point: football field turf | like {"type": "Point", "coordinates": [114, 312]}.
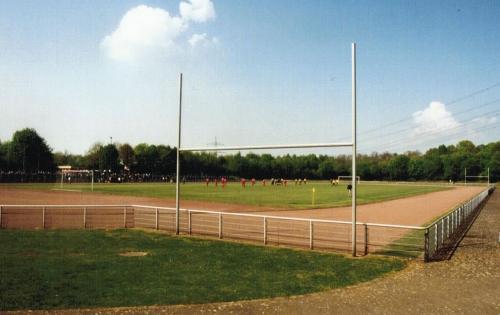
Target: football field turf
{"type": "Point", "coordinates": [315, 194]}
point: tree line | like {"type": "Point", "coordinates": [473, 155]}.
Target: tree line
{"type": "Point", "coordinates": [28, 152]}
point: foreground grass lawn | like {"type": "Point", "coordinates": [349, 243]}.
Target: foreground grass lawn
{"type": "Point", "coordinates": [78, 268]}
{"type": "Point", "coordinates": [292, 196]}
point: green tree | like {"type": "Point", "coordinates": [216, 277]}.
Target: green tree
{"type": "Point", "coordinates": [3, 156]}
{"type": "Point", "coordinates": [92, 157]}
{"type": "Point", "coordinates": [146, 157]}
{"type": "Point", "coordinates": [28, 152]}
{"type": "Point", "coordinates": [109, 158]}
{"type": "Point", "coordinates": [494, 166]}
{"type": "Point", "coordinates": [326, 168]}
{"type": "Point", "coordinates": [127, 155]}
{"type": "Point", "coordinates": [466, 146]}
{"type": "Point", "coordinates": [65, 158]}
{"type": "Point", "coordinates": [398, 167]}
{"type": "Point", "coordinates": [166, 160]}
{"type": "Point", "coordinates": [416, 169]}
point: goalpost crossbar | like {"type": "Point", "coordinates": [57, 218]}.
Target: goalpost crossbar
{"type": "Point", "coordinates": [273, 146]}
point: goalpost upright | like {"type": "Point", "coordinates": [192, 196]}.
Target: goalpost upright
{"type": "Point", "coordinates": [351, 144]}
{"type": "Point", "coordinates": [353, 201]}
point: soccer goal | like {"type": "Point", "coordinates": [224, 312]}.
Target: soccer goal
{"type": "Point", "coordinates": [67, 177]}
{"type": "Point", "coordinates": [349, 178]}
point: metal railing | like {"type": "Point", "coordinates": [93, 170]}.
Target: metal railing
{"type": "Point", "coordinates": [408, 241]}
{"type": "Point", "coordinates": [65, 216]}
{"type": "Point", "coordinates": [264, 229]}
{"type": "Point", "coordinates": [278, 230]}
{"type": "Point", "coordinates": [443, 235]}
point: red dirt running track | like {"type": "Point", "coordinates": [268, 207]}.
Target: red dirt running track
{"type": "Point", "coordinates": [416, 210]}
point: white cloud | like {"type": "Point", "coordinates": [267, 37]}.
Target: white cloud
{"type": "Point", "coordinates": [483, 121]}
{"type": "Point", "coordinates": [202, 40]}
{"type": "Point", "coordinates": [434, 119]}
{"type": "Point", "coordinates": [197, 10]}
{"type": "Point", "coordinates": [144, 30]}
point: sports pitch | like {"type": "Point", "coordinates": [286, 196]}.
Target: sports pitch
{"type": "Point", "coordinates": [315, 194]}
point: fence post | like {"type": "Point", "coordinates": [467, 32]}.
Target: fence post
{"type": "Point", "coordinates": [366, 239]}
{"type": "Point", "coordinates": [442, 231]}
{"type": "Point", "coordinates": [426, 245]}
{"type": "Point", "coordinates": [124, 217]}
{"type": "Point", "coordinates": [84, 218]}
{"type": "Point", "coordinates": [220, 225]}
{"type": "Point", "coordinates": [189, 222]}
{"type": "Point", "coordinates": [447, 226]}
{"type": "Point", "coordinates": [156, 219]}
{"type": "Point", "coordinates": [452, 223]}
{"type": "Point", "coordinates": [265, 230]}
{"type": "Point", "coordinates": [311, 234]}
{"type": "Point", "coordinates": [456, 220]}
{"type": "Point", "coordinates": [43, 218]}
{"type": "Point", "coordinates": [436, 235]}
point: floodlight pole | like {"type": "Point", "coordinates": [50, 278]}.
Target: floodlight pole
{"type": "Point", "coordinates": [488, 177]}
{"type": "Point", "coordinates": [353, 195]}
{"type": "Point", "coordinates": [178, 168]}
{"type": "Point", "coordinates": [465, 176]}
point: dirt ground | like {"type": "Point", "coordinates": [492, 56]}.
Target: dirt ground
{"type": "Point", "coordinates": [416, 210]}
{"type": "Point", "coordinates": [469, 283]}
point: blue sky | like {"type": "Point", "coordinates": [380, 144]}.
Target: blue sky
{"type": "Point", "coordinates": [255, 72]}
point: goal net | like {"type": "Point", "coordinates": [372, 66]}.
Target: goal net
{"type": "Point", "coordinates": [68, 179]}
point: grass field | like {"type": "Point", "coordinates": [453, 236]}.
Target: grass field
{"type": "Point", "coordinates": [292, 196]}
{"type": "Point", "coordinates": [75, 269]}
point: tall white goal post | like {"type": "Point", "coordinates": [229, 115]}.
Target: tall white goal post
{"type": "Point", "coordinates": [277, 146]}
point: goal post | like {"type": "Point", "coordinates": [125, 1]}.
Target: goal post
{"type": "Point", "coordinates": [349, 178]}
{"type": "Point", "coordinates": [67, 176]}
{"type": "Point", "coordinates": [351, 144]}
{"type": "Point", "coordinates": [487, 177]}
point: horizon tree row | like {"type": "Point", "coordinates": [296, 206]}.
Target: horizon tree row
{"type": "Point", "coordinates": [28, 152]}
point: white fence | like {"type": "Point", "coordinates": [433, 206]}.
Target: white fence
{"type": "Point", "coordinates": [409, 241]}
{"type": "Point", "coordinates": [444, 234]}
{"type": "Point", "coordinates": [267, 230]}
